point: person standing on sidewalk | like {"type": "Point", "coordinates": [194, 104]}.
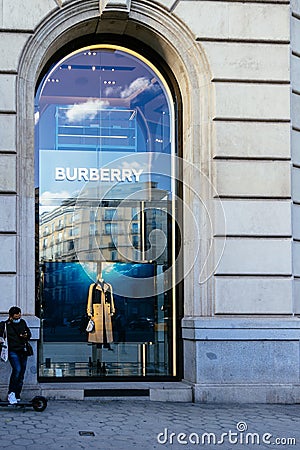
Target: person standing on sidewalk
{"type": "Point", "coordinates": [18, 334]}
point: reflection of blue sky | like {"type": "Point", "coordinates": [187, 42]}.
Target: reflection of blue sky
{"type": "Point", "coordinates": [155, 168]}
{"type": "Point", "coordinates": [49, 160]}
{"type": "Point", "coordinates": [96, 80]}
{"type": "Point", "coordinates": [123, 277]}
{"type": "Point", "coordinates": [55, 121]}
{"type": "Point", "coordinates": [111, 272]}
{"type": "Point", "coordinates": [83, 111]}
{"type": "Point", "coordinates": [114, 74]}
{"type": "Point", "coordinates": [132, 280]}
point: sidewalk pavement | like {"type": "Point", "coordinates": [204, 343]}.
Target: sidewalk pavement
{"type": "Point", "coordinates": [145, 425]}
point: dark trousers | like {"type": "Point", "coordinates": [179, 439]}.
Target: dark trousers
{"type": "Point", "coordinates": [18, 362]}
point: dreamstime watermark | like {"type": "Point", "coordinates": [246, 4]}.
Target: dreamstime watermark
{"type": "Point", "coordinates": [240, 435]}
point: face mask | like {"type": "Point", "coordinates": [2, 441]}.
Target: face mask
{"type": "Point", "coordinates": [16, 320]}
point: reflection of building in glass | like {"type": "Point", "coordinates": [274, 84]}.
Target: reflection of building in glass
{"type": "Point", "coordinates": [134, 229]}
{"type": "Point", "coordinates": [106, 197]}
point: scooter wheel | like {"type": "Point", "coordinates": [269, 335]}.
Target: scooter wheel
{"type": "Point", "coordinates": [39, 403]}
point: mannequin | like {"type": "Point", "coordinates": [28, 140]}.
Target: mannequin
{"type": "Point", "coordinates": [100, 307]}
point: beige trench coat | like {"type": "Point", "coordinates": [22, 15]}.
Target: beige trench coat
{"type": "Point", "coordinates": [100, 307]}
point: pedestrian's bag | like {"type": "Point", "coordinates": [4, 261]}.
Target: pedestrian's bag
{"type": "Point", "coordinates": [4, 346]}
{"type": "Point", "coordinates": [28, 349]}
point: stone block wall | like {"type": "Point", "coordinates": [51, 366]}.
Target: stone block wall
{"type": "Point", "coordinates": [295, 144]}
{"type": "Point", "coordinates": [247, 46]}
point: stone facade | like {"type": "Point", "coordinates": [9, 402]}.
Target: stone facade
{"type": "Point", "coordinates": [234, 63]}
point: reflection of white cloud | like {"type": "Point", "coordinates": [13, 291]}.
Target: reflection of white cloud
{"type": "Point", "coordinates": [141, 83]}
{"type": "Point", "coordinates": [36, 117]}
{"type": "Point", "coordinates": [87, 110]}
{"type": "Point", "coordinates": [112, 91]}
{"type": "Point", "coordinates": [50, 198]}
{"type": "Point", "coordinates": [135, 165]}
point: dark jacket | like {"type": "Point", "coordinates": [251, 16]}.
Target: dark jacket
{"type": "Point", "coordinates": [14, 330]}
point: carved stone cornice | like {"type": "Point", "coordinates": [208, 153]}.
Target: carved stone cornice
{"type": "Point", "coordinates": [114, 8]}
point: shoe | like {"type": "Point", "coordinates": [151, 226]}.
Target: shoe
{"type": "Point", "coordinates": [12, 398]}
{"type": "Point", "coordinates": [18, 400]}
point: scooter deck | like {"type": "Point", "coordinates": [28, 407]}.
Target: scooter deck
{"type": "Point", "coordinates": [6, 403]}
{"type": "Point", "coordinates": [38, 403]}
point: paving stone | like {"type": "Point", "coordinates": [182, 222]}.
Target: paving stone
{"type": "Point", "coordinates": [22, 441]}
{"type": "Point", "coordinates": [129, 424]}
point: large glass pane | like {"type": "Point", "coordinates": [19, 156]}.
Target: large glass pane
{"type": "Point", "coordinates": [105, 189]}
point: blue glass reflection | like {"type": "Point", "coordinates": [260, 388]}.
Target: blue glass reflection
{"type": "Point", "coordinates": [104, 147]}
{"type": "Point", "coordinates": [103, 100]}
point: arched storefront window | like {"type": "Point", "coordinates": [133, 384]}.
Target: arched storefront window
{"type": "Point", "coordinates": [105, 147]}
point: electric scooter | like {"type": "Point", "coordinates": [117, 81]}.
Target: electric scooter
{"type": "Point", "coordinates": [38, 403]}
